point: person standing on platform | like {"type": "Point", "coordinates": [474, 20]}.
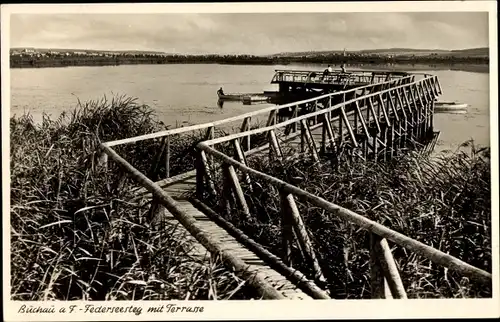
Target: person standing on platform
{"type": "Point", "coordinates": [327, 71]}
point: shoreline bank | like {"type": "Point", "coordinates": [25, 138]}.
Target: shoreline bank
{"type": "Point", "coordinates": [52, 62]}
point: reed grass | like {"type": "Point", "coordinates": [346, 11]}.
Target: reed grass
{"type": "Point", "coordinates": [75, 236]}
{"type": "Point", "coordinates": [443, 201]}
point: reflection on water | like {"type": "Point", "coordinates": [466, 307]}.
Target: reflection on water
{"type": "Point", "coordinates": [186, 94]}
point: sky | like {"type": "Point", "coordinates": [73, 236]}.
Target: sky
{"type": "Point", "coordinates": [250, 33]}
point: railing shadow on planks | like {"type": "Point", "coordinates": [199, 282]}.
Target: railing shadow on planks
{"type": "Point", "coordinates": [397, 112]}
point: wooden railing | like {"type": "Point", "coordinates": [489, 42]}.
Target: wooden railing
{"type": "Point", "coordinates": [406, 108]}
{"type": "Point", "coordinates": [244, 122]}
{"type": "Point", "coordinates": [362, 118]}
{"type": "Point", "coordinates": [335, 77]}
{"type": "Point", "coordinates": [382, 265]}
{"type": "Point", "coordinates": [406, 104]}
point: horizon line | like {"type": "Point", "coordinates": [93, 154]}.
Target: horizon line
{"type": "Point", "coordinates": [242, 53]}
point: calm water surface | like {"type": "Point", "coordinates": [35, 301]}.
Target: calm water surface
{"type": "Point", "coordinates": [186, 94]}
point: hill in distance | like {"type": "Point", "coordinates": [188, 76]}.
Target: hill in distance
{"type": "Point", "coordinates": [483, 51]}
{"type": "Point", "coordinates": [472, 52]}
{"type": "Point", "coordinates": [45, 50]}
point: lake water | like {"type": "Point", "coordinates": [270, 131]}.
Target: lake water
{"type": "Point", "coordinates": [186, 94]}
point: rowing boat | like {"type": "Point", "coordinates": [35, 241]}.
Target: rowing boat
{"type": "Point", "coordinates": [253, 96]}
{"type": "Point", "coordinates": [236, 96]}
{"type": "Point", "coordinates": [450, 107]}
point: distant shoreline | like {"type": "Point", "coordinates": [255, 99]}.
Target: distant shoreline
{"type": "Point", "coordinates": [46, 62]}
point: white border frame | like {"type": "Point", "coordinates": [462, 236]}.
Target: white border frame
{"type": "Point", "coordinates": [247, 310]}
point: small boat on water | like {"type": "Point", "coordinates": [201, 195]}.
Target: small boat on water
{"type": "Point", "coordinates": [236, 96]}
{"type": "Point", "coordinates": [450, 107]}
{"type": "Point", "coordinates": [253, 97]}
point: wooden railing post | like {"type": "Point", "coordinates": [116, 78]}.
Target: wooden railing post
{"type": "Point", "coordinates": [275, 147]}
{"type": "Point", "coordinates": [240, 156]}
{"type": "Point", "coordinates": [235, 183]}
{"type": "Point", "coordinates": [390, 270]}
{"type": "Point", "coordinates": [295, 111]}
{"type": "Point", "coordinates": [303, 237]}
{"type": "Point", "coordinates": [362, 120]}
{"type": "Point", "coordinates": [356, 123]}
{"type": "Point", "coordinates": [286, 230]}
{"type": "Point", "coordinates": [245, 126]}
{"type": "Point", "coordinates": [200, 175]}
{"type": "Point", "coordinates": [227, 197]}
{"type": "Point", "coordinates": [207, 173]}
{"type": "Point", "coordinates": [383, 108]}
{"type": "Point", "coordinates": [210, 133]}
{"type": "Point", "coordinates": [310, 140]}
{"type": "Point", "coordinates": [167, 157]}
{"type": "Point", "coordinates": [375, 116]}
{"type": "Point", "coordinates": [327, 126]}
{"type": "Point", "coordinates": [153, 170]}
{"type": "Point", "coordinates": [349, 128]}
{"type": "Point", "coordinates": [103, 160]}
{"type": "Point", "coordinates": [376, 273]}
{"type": "Point", "coordinates": [322, 148]}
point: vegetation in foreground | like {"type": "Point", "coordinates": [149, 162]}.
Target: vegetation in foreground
{"type": "Point", "coordinates": [76, 236]}
{"type": "Point", "coordinates": [443, 201]}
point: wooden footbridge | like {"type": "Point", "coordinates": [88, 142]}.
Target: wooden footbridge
{"type": "Point", "coordinates": [376, 120]}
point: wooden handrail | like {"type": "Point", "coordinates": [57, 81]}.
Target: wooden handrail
{"type": "Point", "coordinates": [434, 255]}
{"type": "Point", "coordinates": [180, 130]}
{"type": "Point", "coordinates": [307, 116]}
{"type": "Point", "coordinates": [215, 246]}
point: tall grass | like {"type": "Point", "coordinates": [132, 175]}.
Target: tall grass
{"type": "Point", "coordinates": [74, 235]}
{"type": "Point", "coordinates": [443, 201]}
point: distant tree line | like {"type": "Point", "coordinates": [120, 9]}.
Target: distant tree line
{"type": "Point", "coordinates": [47, 60]}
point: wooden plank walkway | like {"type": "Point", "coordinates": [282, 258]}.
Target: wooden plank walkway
{"type": "Point", "coordinates": [180, 187]}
